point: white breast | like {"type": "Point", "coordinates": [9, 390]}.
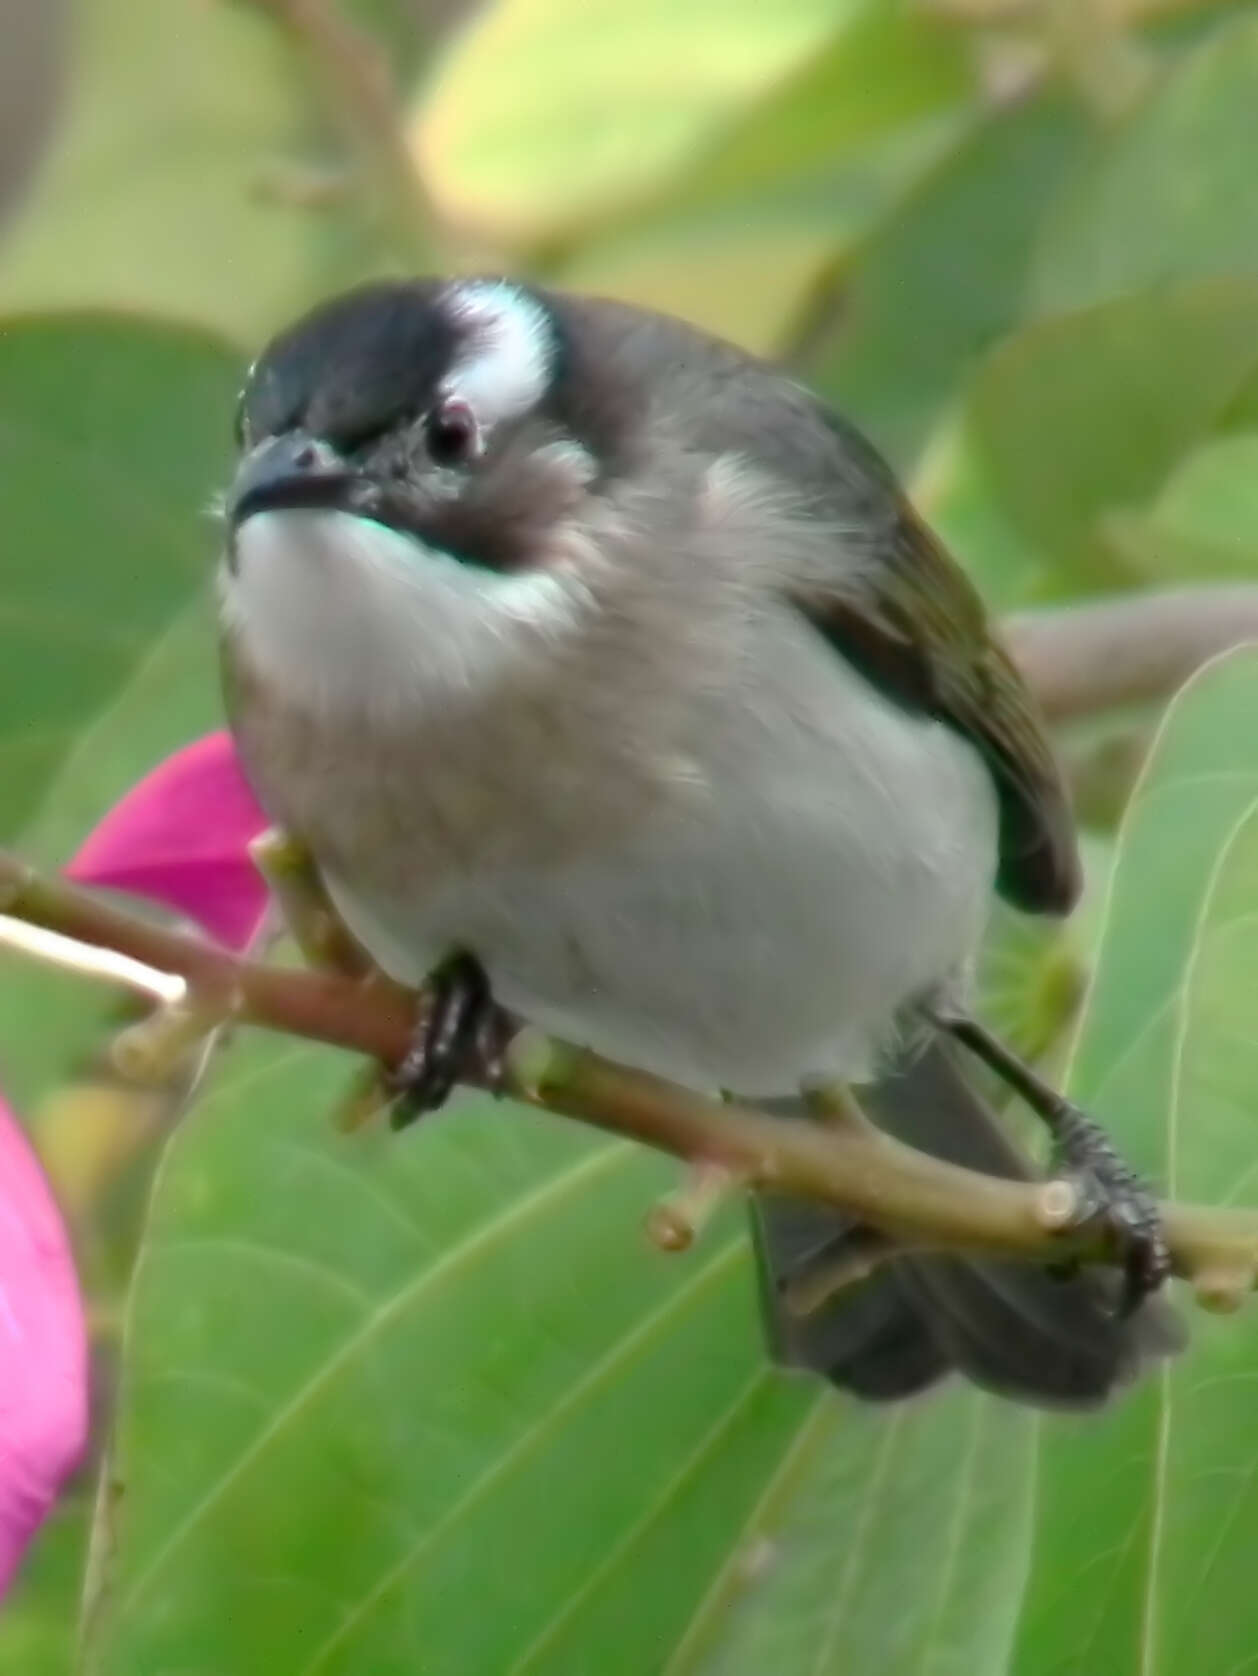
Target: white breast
{"type": "Point", "coordinates": [343, 614]}
{"type": "Point", "coordinates": [837, 865]}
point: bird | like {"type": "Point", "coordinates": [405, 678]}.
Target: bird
{"type": "Point", "coordinates": [613, 683]}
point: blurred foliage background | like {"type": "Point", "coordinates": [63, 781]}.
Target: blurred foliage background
{"type": "Point", "coordinates": [430, 1404]}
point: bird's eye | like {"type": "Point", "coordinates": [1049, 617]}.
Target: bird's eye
{"type": "Point", "coordinates": [451, 434]}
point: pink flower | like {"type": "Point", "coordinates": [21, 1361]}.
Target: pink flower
{"type": "Point", "coordinates": [179, 838]}
{"type": "Point", "coordinates": [43, 1349]}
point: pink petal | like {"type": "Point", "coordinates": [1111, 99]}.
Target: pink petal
{"type": "Point", "coordinates": [179, 838]}
{"type": "Point", "coordinates": [43, 1349]}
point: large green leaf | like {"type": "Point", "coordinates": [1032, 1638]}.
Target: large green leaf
{"type": "Point", "coordinates": [1085, 417]}
{"type": "Point", "coordinates": [933, 1503]}
{"type": "Point", "coordinates": [367, 1380]}
{"type": "Point", "coordinates": [1204, 521]}
{"type": "Point", "coordinates": [1160, 197]}
{"type": "Point", "coordinates": [361, 1371]}
{"type": "Point", "coordinates": [113, 434]}
{"type": "Point", "coordinates": [944, 277]}
{"type": "Point", "coordinates": [1147, 1518]}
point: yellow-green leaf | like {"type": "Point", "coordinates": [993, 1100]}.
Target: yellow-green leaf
{"type": "Point", "coordinates": [1147, 1517]}
{"type": "Point", "coordinates": [547, 109]}
{"type": "Point", "coordinates": [1161, 197]}
{"type": "Point", "coordinates": [113, 436]}
{"type": "Point", "coordinates": [1091, 413]}
{"type": "Point", "coordinates": [184, 177]}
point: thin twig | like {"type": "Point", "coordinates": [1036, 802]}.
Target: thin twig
{"type": "Point", "coordinates": [1130, 648]}
{"type": "Point", "coordinates": [363, 100]}
{"type": "Point", "coordinates": [914, 1198]}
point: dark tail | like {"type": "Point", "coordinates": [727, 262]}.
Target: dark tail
{"type": "Point", "coordinates": [1013, 1328]}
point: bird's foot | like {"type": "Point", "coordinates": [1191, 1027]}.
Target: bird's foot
{"type": "Point", "coordinates": [1113, 1197]}
{"type": "Point", "coordinates": [463, 1033]}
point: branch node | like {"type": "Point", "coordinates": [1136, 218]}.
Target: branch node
{"type": "Point", "coordinates": [532, 1063]}
{"type": "Point", "coordinates": [277, 854]}
{"type": "Point", "coordinates": [1057, 1206]}
{"type": "Point", "coordinates": [675, 1222]}
{"type": "Point", "coordinates": [767, 1168]}
{"type": "Point", "coordinates": [834, 1104]}
{"type": "Point", "coordinates": [151, 1051]}
{"type": "Point", "coordinates": [1223, 1291]}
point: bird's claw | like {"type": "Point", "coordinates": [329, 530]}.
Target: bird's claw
{"type": "Point", "coordinates": [1112, 1197]}
{"type": "Point", "coordinates": [463, 1033]}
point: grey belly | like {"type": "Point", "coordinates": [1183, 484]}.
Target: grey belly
{"type": "Point", "coordinates": [747, 949]}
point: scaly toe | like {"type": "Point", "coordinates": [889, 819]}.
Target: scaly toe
{"type": "Point", "coordinates": [489, 1052]}
{"type": "Point", "coordinates": [1114, 1198]}
{"type": "Point", "coordinates": [450, 1041]}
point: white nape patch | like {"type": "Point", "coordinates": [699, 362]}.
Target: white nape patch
{"type": "Point", "coordinates": [342, 613]}
{"type": "Point", "coordinates": [506, 368]}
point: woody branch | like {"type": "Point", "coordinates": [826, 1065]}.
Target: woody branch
{"type": "Point", "coordinates": [914, 1199]}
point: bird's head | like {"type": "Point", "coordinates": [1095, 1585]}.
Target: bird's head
{"type": "Point", "coordinates": [408, 499]}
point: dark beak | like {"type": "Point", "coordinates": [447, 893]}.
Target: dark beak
{"type": "Point", "coordinates": [293, 470]}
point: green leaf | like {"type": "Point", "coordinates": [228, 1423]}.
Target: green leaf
{"type": "Point", "coordinates": [886, 68]}
{"type": "Point", "coordinates": [952, 488]}
{"type": "Point", "coordinates": [177, 181]}
{"type": "Point", "coordinates": [37, 1636]}
{"type": "Point", "coordinates": [1088, 415]}
{"type": "Point", "coordinates": [169, 696]}
{"type": "Point", "coordinates": [112, 436]}
{"type": "Point", "coordinates": [790, 183]}
{"type": "Point", "coordinates": [722, 271]}
{"type": "Point", "coordinates": [945, 276]}
{"type": "Point", "coordinates": [365, 1376]}
{"type": "Point", "coordinates": [1158, 198]}
{"type": "Point", "coordinates": [1205, 520]}
{"type": "Point", "coordinates": [781, 1473]}
{"type": "Point", "coordinates": [1148, 1515]}
{"type": "Point", "coordinates": [1214, 496]}
{"type": "Point", "coordinates": [360, 1371]}
{"type": "Point", "coordinates": [933, 1503]}
{"type": "Point", "coordinates": [548, 109]}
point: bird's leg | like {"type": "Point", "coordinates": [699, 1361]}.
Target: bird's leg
{"type": "Point", "coordinates": [463, 1032]}
{"type": "Point", "coordinates": [1111, 1191]}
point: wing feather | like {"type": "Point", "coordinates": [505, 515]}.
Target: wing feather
{"type": "Point", "coordinates": [912, 622]}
